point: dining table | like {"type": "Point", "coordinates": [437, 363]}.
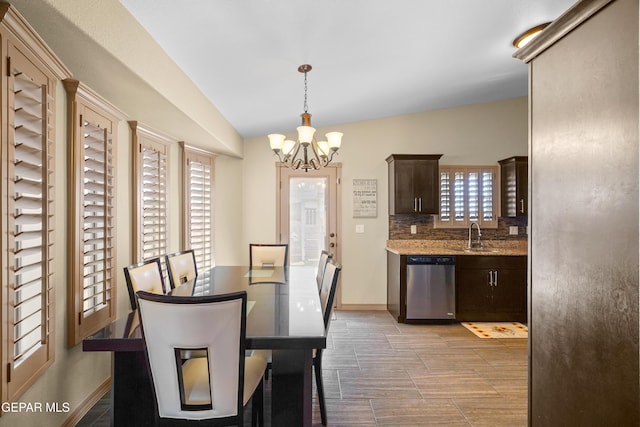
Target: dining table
{"type": "Point", "coordinates": [284, 315]}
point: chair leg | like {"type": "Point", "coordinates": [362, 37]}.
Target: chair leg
{"type": "Point", "coordinates": [317, 364]}
{"type": "Point", "coordinates": [257, 406]}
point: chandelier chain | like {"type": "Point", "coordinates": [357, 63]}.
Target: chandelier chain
{"type": "Point", "coordinates": [306, 109]}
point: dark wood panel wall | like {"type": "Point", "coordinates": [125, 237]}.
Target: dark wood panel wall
{"type": "Point", "coordinates": [584, 354]}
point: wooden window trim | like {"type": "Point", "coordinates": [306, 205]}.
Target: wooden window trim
{"type": "Point", "coordinates": [144, 137]}
{"type": "Point", "coordinates": [84, 105]}
{"type": "Point", "coordinates": [22, 47]}
{"type": "Point", "coordinates": [193, 154]}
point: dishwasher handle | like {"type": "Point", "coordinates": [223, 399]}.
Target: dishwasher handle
{"type": "Point", "coordinates": [431, 260]}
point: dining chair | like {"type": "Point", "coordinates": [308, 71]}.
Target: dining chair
{"type": "Point", "coordinates": [212, 389]}
{"type": "Point", "coordinates": [268, 254]}
{"type": "Point", "coordinates": [181, 267]}
{"type": "Point", "coordinates": [144, 276]}
{"type": "Point", "coordinates": [327, 295]}
{"type": "Point", "coordinates": [322, 263]}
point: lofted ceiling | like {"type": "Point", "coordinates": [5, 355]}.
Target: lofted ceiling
{"type": "Point", "coordinates": [370, 58]}
{"type": "Point", "coordinates": [215, 72]}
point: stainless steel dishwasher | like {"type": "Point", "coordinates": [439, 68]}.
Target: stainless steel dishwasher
{"type": "Point", "coordinates": [431, 292]}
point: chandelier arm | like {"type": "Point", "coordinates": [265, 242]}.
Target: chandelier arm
{"type": "Point", "coordinates": [294, 153]}
{"type": "Point", "coordinates": [330, 157]}
{"type": "Point", "coordinates": [314, 147]}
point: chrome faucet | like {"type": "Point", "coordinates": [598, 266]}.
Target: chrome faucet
{"type": "Point", "coordinates": [477, 243]}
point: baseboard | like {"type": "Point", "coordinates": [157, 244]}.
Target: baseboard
{"type": "Point", "coordinates": [82, 409]}
{"type": "Point", "coordinates": [363, 307]}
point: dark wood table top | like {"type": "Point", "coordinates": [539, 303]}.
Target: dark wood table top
{"type": "Point", "coordinates": [283, 306]}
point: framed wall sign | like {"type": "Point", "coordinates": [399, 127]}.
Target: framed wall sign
{"type": "Point", "coordinates": [365, 198]}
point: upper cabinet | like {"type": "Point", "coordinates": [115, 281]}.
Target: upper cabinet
{"type": "Point", "coordinates": [413, 183]}
{"type": "Point", "coordinates": [514, 183]}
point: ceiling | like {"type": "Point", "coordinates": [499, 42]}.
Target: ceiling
{"type": "Point", "coordinates": [370, 58]}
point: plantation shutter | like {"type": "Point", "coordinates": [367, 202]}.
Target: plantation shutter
{"type": "Point", "coordinates": [154, 201]}
{"type": "Point", "coordinates": [488, 197]}
{"type": "Point", "coordinates": [150, 192]}
{"type": "Point", "coordinates": [92, 260]}
{"type": "Point", "coordinates": [198, 204]}
{"type": "Point", "coordinates": [467, 194]}
{"type": "Point", "coordinates": [30, 224]}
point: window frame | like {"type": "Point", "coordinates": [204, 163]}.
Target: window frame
{"type": "Point", "coordinates": [146, 138]}
{"type": "Point", "coordinates": [495, 194]}
{"type": "Point", "coordinates": [84, 107]}
{"type": "Point", "coordinates": [22, 48]}
{"type": "Point", "coordinates": [206, 158]}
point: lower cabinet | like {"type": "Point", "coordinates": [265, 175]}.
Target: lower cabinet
{"type": "Point", "coordinates": [491, 288]}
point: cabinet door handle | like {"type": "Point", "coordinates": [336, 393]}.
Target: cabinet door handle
{"type": "Point", "coordinates": [495, 278]}
{"type": "Point", "coordinates": [420, 204]}
{"type": "Point", "coordinates": [490, 278]}
{"type": "Point", "coordinates": [521, 205]}
{"type": "Point", "coordinates": [415, 204]}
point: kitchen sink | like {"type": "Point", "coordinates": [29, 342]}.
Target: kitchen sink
{"type": "Point", "coordinates": [478, 250]}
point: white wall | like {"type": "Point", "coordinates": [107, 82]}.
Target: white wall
{"type": "Point", "coordinates": [473, 134]}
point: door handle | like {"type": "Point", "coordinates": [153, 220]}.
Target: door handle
{"type": "Point", "coordinates": [521, 205]}
{"type": "Point", "coordinates": [495, 278]}
{"type": "Point", "coordinates": [420, 204]}
{"type": "Point", "coordinates": [415, 204]}
{"type": "Point", "coordinates": [490, 278]}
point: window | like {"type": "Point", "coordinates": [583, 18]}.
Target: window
{"type": "Point", "coordinates": [150, 177]}
{"type": "Point", "coordinates": [198, 173]}
{"type": "Point", "coordinates": [310, 216]}
{"type": "Point", "coordinates": [468, 194]}
{"type": "Point", "coordinates": [92, 241]}
{"type": "Point", "coordinates": [27, 165]}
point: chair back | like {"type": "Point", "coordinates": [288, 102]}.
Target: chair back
{"type": "Point", "coordinates": [181, 267]}
{"type": "Point", "coordinates": [322, 263]}
{"type": "Point", "coordinates": [201, 388]}
{"type": "Point", "coordinates": [269, 255]}
{"type": "Point", "coordinates": [328, 290]}
{"type": "Point", "coordinates": [144, 276]}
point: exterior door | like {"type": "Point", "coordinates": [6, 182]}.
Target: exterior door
{"type": "Point", "coordinates": [308, 212]}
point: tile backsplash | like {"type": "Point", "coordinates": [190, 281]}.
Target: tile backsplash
{"type": "Point", "coordinates": [400, 229]}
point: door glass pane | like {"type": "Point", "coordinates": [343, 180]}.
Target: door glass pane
{"type": "Point", "coordinates": [307, 219]}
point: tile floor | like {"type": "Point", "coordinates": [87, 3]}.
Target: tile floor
{"type": "Point", "coordinates": [381, 373]}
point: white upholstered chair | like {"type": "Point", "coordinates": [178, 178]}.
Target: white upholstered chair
{"type": "Point", "coordinates": [144, 276]}
{"type": "Point", "coordinates": [214, 388]}
{"type": "Point", "coordinates": [268, 255]}
{"type": "Point", "coordinates": [181, 267]}
{"type": "Point", "coordinates": [327, 295]}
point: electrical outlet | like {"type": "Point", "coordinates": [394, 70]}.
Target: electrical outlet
{"type": "Point", "coordinates": [414, 229]}
{"type": "Point", "coordinates": [513, 230]}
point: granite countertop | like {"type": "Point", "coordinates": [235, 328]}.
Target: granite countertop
{"type": "Point", "coordinates": [456, 247]}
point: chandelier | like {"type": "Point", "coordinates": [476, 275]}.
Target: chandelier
{"type": "Point", "coordinates": [306, 152]}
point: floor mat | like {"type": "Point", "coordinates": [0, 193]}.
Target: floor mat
{"type": "Point", "coordinates": [497, 329]}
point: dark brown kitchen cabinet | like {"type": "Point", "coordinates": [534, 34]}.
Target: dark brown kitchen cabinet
{"type": "Point", "coordinates": [491, 288]}
{"type": "Point", "coordinates": [413, 184]}
{"type": "Point", "coordinates": [514, 183]}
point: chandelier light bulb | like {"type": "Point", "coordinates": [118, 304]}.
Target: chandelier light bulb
{"type": "Point", "coordinates": [334, 139]}
{"type": "Point", "coordinates": [276, 141]}
{"type": "Point", "coordinates": [305, 134]}
{"type": "Point", "coordinates": [323, 148]}
{"type": "Point", "coordinates": [288, 146]}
